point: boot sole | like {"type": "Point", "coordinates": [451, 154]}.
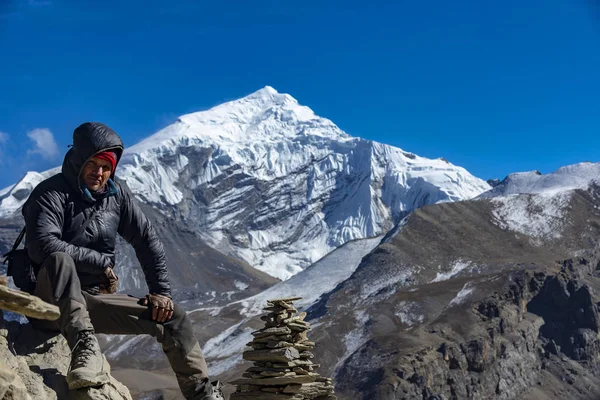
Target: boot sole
{"type": "Point", "coordinates": [79, 382]}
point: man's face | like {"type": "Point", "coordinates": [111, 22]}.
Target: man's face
{"type": "Point", "coordinates": [95, 173]}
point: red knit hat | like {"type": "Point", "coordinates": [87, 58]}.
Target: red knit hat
{"type": "Point", "coordinates": [109, 156]}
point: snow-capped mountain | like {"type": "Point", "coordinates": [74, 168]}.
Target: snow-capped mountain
{"type": "Point", "coordinates": [534, 204]}
{"type": "Point", "coordinates": [13, 197]}
{"type": "Point", "coordinates": [267, 181]}
{"type": "Point", "coordinates": [569, 177]}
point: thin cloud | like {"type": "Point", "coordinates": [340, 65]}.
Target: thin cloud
{"type": "Point", "coordinates": [44, 143]}
{"type": "Point", "coordinates": [3, 137]}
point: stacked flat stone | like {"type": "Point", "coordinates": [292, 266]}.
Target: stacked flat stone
{"type": "Point", "coordinates": [281, 352]}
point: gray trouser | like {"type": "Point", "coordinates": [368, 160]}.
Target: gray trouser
{"type": "Point", "coordinates": [58, 284]}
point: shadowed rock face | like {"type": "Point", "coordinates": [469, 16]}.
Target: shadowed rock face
{"type": "Point", "coordinates": [488, 348]}
{"type": "Point", "coordinates": [458, 306]}
{"type": "Point", "coordinates": [198, 273]}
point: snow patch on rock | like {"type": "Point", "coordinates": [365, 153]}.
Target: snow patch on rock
{"type": "Point", "coordinates": [408, 313]}
{"type": "Point", "coordinates": [455, 268]}
{"type": "Point", "coordinates": [538, 215]}
{"type": "Point", "coordinates": [462, 295]}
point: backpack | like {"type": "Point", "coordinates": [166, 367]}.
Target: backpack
{"type": "Point", "coordinates": [20, 266]}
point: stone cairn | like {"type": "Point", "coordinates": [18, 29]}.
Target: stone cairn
{"type": "Point", "coordinates": [281, 353]}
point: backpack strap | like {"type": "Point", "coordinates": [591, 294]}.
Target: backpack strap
{"type": "Point", "coordinates": [15, 245]}
{"type": "Point", "coordinates": [19, 239]}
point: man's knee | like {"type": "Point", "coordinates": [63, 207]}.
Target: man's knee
{"type": "Point", "coordinates": [181, 328]}
{"type": "Point", "coordinates": [179, 313]}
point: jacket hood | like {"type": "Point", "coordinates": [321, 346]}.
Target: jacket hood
{"type": "Point", "coordinates": [88, 139]}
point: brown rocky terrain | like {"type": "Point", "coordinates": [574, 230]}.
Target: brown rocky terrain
{"type": "Point", "coordinates": [518, 319]}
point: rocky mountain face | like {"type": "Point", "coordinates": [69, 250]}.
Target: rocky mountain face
{"type": "Point", "coordinates": [468, 300]}
{"type": "Point", "coordinates": [266, 180]}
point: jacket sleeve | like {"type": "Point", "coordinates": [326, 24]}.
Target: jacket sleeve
{"type": "Point", "coordinates": [44, 217]}
{"type": "Point", "coordinates": [135, 227]}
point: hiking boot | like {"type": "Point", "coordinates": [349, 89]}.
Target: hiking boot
{"type": "Point", "coordinates": [87, 363]}
{"type": "Point", "coordinates": [212, 391]}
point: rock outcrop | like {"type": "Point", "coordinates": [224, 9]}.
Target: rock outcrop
{"type": "Point", "coordinates": [536, 337]}
{"type": "Point", "coordinates": [34, 363]}
{"type": "Point", "coordinates": [282, 355]}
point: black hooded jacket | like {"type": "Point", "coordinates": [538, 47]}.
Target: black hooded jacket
{"type": "Point", "coordinates": [58, 207]}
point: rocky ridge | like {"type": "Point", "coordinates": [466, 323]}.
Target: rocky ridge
{"type": "Point", "coordinates": [460, 304]}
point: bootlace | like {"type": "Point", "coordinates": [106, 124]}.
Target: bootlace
{"type": "Point", "coordinates": [83, 351]}
{"type": "Point", "coordinates": [217, 390]}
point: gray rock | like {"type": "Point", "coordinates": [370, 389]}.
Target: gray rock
{"type": "Point", "coordinates": [11, 385]}
{"type": "Point", "coordinates": [41, 361]}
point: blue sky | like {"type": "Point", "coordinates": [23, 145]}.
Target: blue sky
{"type": "Point", "coordinates": [496, 87]}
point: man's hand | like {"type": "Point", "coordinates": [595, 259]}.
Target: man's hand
{"type": "Point", "coordinates": [112, 281]}
{"type": "Point", "coordinates": [162, 307]}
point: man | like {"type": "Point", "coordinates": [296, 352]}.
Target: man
{"type": "Point", "coordinates": [72, 220]}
